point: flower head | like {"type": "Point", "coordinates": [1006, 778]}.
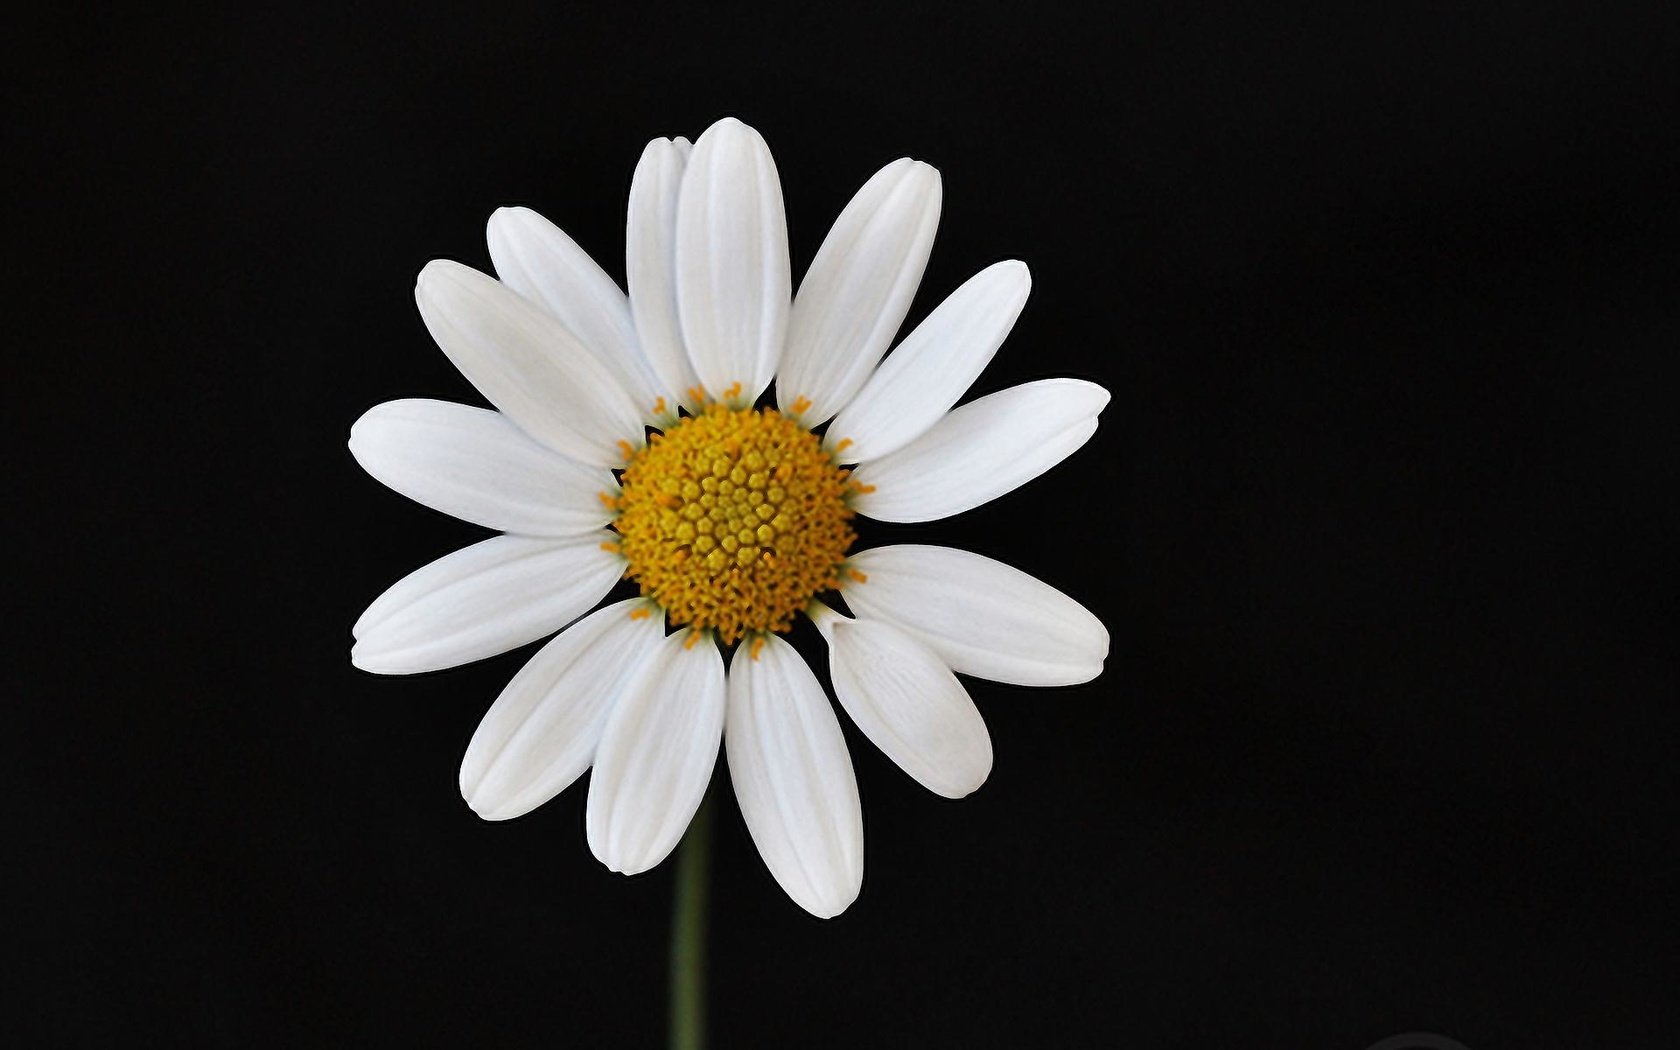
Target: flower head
{"type": "Point", "coordinates": [630, 440]}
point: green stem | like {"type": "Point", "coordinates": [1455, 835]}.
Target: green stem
{"type": "Point", "coordinates": [688, 933]}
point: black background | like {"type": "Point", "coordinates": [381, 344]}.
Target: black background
{"type": "Point", "coordinates": [1381, 519]}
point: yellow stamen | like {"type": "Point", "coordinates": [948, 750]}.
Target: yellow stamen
{"type": "Point", "coordinates": [757, 647]}
{"type": "Point", "coordinates": [659, 406]}
{"type": "Point", "coordinates": [858, 576]}
{"type": "Point", "coordinates": [734, 521]}
{"type": "Point", "coordinates": [697, 394]}
{"type": "Point", "coordinates": [693, 638]}
{"type": "Point", "coordinates": [640, 612]}
{"type": "Point", "coordinates": [844, 444]}
{"type": "Point", "coordinates": [625, 447]}
{"type": "Point", "coordinates": [609, 546]}
{"type": "Point", "coordinates": [800, 406]}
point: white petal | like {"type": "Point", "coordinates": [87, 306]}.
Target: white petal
{"type": "Point", "coordinates": [733, 282]}
{"type": "Point", "coordinates": [858, 289]}
{"type": "Point", "coordinates": [793, 778]}
{"type": "Point", "coordinates": [540, 734]}
{"type": "Point", "coordinates": [475, 465]}
{"type": "Point", "coordinates": [483, 600]}
{"type": "Point", "coordinates": [980, 616]}
{"type": "Point", "coordinates": [651, 267]}
{"type": "Point", "coordinates": [908, 703]}
{"type": "Point", "coordinates": [982, 450]}
{"type": "Point", "coordinates": [926, 374]}
{"type": "Point", "coordinates": [527, 364]}
{"type": "Point", "coordinates": [656, 755]}
{"type": "Point", "coordinates": [535, 258]}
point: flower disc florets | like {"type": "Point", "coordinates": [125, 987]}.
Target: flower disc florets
{"type": "Point", "coordinates": [734, 519]}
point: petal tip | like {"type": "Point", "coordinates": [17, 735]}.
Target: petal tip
{"type": "Point", "coordinates": [732, 130]}
{"type": "Point", "coordinates": [438, 272]}
{"type": "Point", "coordinates": [828, 909]}
{"type": "Point", "coordinates": [966, 786]}
{"type": "Point", "coordinates": [504, 220]}
{"type": "Point", "coordinates": [378, 661]}
{"type": "Point", "coordinates": [491, 814]}
{"type": "Point", "coordinates": [628, 866]}
{"type": "Point", "coordinates": [360, 658]}
{"type": "Point", "coordinates": [433, 269]}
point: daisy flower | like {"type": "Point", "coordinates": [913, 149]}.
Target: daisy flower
{"type": "Point", "coordinates": [629, 441]}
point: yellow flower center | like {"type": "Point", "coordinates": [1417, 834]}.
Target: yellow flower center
{"type": "Point", "coordinates": [734, 519]}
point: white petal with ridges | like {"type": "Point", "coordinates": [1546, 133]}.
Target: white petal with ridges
{"type": "Point", "coordinates": [541, 733]}
{"type": "Point", "coordinates": [858, 289]}
{"type": "Point", "coordinates": [650, 236]}
{"type": "Point", "coordinates": [908, 703]}
{"type": "Point", "coordinates": [656, 755]}
{"type": "Point", "coordinates": [483, 600]}
{"type": "Point", "coordinates": [980, 616]}
{"type": "Point", "coordinates": [733, 281]}
{"type": "Point", "coordinates": [475, 465]}
{"type": "Point", "coordinates": [982, 450]}
{"type": "Point", "coordinates": [538, 260]}
{"type": "Point", "coordinates": [793, 777]}
{"type": "Point", "coordinates": [527, 364]}
{"type": "Point", "coordinates": [934, 365]}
